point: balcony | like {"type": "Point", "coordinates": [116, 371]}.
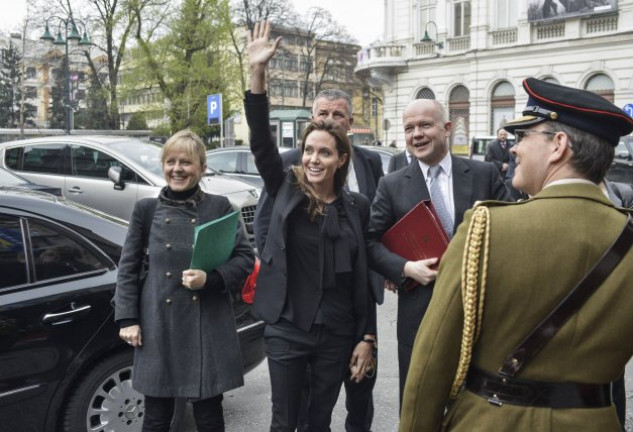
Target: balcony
{"type": "Point", "coordinates": [383, 60]}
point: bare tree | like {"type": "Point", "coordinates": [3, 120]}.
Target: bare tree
{"type": "Point", "coordinates": [317, 27]}
{"type": "Point", "coordinates": [245, 14]}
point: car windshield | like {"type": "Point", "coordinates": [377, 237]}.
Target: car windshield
{"type": "Point", "coordinates": [621, 151]}
{"type": "Point", "coordinates": [144, 153]}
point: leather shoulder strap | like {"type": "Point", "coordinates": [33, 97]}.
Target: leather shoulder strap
{"type": "Point", "coordinates": [547, 328]}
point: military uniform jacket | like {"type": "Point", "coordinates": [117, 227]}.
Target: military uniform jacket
{"type": "Point", "coordinates": [539, 250]}
{"type": "Point", "coordinates": [190, 344]}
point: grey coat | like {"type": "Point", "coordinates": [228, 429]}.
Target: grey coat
{"type": "Point", "coordinates": [190, 345]}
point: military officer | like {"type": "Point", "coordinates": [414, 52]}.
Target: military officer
{"type": "Point", "coordinates": [472, 354]}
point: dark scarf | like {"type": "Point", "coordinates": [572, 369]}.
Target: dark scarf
{"type": "Point", "coordinates": [336, 251]}
{"type": "Point", "coordinates": [188, 198]}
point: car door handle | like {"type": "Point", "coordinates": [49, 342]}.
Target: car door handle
{"type": "Point", "coordinates": [67, 315]}
{"type": "Point", "coordinates": [75, 190]}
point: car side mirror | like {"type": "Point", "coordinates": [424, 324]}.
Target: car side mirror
{"type": "Point", "coordinates": [114, 174]}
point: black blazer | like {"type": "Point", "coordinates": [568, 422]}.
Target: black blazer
{"type": "Point", "coordinates": [397, 161]}
{"type": "Point", "coordinates": [397, 194]}
{"type": "Point", "coordinates": [270, 296]}
{"type": "Point", "coordinates": [497, 155]}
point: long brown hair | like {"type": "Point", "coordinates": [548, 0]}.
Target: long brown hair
{"type": "Point", "coordinates": [316, 206]}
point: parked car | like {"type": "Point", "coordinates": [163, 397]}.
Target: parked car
{"type": "Point", "coordinates": [237, 162]}
{"type": "Point", "coordinates": [621, 169]}
{"type": "Point", "coordinates": [62, 365]}
{"type": "Point", "coordinates": [479, 144]}
{"type": "Point", "coordinates": [385, 154]}
{"type": "Point", "coordinates": [111, 173]}
{"type": "Point", "coordinates": [9, 179]}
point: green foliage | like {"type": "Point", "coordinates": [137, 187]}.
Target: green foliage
{"type": "Point", "coordinates": [137, 122]}
{"type": "Point", "coordinates": [95, 115]}
{"type": "Point", "coordinates": [56, 110]}
{"type": "Point", "coordinates": [192, 61]}
{"type": "Point", "coordinates": [162, 129]}
{"type": "Point", "coordinates": [11, 89]}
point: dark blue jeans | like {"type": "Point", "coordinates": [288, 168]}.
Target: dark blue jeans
{"type": "Point", "coordinates": [207, 413]}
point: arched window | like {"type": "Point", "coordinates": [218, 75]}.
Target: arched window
{"type": "Point", "coordinates": [425, 93]}
{"type": "Point", "coordinates": [550, 80]}
{"type": "Point", "coordinates": [601, 84]}
{"type": "Point", "coordinates": [501, 105]}
{"type": "Point", "coordinates": [458, 114]}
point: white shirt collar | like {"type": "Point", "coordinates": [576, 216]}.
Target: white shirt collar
{"type": "Point", "coordinates": [446, 163]}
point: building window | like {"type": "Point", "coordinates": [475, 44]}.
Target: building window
{"type": "Point", "coordinates": [550, 80]}
{"type": "Point", "coordinates": [501, 106]}
{"type": "Point", "coordinates": [275, 88]}
{"type": "Point", "coordinates": [290, 88]}
{"type": "Point", "coordinates": [506, 14]}
{"type": "Point", "coordinates": [425, 93]}
{"type": "Point", "coordinates": [31, 92]}
{"type": "Point", "coordinates": [461, 18]}
{"type": "Point", "coordinates": [601, 84]}
{"type": "Point", "coordinates": [458, 114]}
{"type": "Point", "coordinates": [304, 64]}
{"type": "Point", "coordinates": [310, 89]}
{"type": "Point", "coordinates": [30, 72]}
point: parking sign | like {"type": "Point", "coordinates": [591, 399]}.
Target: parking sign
{"type": "Point", "coordinates": [214, 108]}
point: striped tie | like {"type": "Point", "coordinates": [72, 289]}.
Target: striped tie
{"type": "Point", "coordinates": [438, 201]}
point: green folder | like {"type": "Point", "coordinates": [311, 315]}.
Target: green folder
{"type": "Point", "coordinates": [213, 242]}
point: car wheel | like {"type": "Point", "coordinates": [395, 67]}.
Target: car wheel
{"type": "Point", "coordinates": [104, 400]}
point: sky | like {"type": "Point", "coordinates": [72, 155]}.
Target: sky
{"type": "Point", "coordinates": [363, 18]}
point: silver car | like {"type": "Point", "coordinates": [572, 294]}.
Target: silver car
{"type": "Point", "coordinates": [111, 173]}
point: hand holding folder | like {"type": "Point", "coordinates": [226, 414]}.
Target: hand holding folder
{"type": "Point", "coordinates": [213, 243]}
{"type": "Point", "coordinates": [416, 236]}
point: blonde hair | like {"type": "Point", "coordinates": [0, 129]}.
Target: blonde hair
{"type": "Point", "coordinates": [188, 142]}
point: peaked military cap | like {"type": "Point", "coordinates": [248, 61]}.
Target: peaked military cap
{"type": "Point", "coordinates": [581, 109]}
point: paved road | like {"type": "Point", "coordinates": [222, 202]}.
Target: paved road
{"type": "Point", "coordinates": [247, 409]}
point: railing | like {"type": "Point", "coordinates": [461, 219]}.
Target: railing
{"type": "Point", "coordinates": [504, 37]}
{"type": "Point", "coordinates": [550, 31]}
{"type": "Point", "coordinates": [424, 49]}
{"type": "Point", "coordinates": [388, 51]}
{"type": "Point", "coordinates": [461, 43]}
{"type": "Point", "coordinates": [601, 24]}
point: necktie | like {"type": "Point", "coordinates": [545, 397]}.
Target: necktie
{"type": "Point", "coordinates": [439, 202]}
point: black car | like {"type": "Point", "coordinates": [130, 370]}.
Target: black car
{"type": "Point", "coordinates": [62, 364]}
{"type": "Point", "coordinates": [621, 169]}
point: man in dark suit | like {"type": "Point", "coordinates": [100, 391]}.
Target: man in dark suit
{"type": "Point", "coordinates": [498, 152]}
{"type": "Point", "coordinates": [400, 160]}
{"type": "Point", "coordinates": [364, 173]}
{"type": "Point", "coordinates": [461, 182]}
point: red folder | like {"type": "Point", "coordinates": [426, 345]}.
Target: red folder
{"type": "Point", "coordinates": [418, 235]}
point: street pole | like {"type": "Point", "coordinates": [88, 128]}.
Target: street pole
{"type": "Point", "coordinates": [67, 106]}
{"type": "Point", "coordinates": [83, 41]}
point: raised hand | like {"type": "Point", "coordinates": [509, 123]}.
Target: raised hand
{"type": "Point", "coordinates": [260, 51]}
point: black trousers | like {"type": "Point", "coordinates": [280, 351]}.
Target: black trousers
{"type": "Point", "coordinates": [359, 403]}
{"type": "Point", "coordinates": [404, 359]}
{"type": "Point", "coordinates": [207, 413]}
{"type": "Point", "coordinates": [290, 351]}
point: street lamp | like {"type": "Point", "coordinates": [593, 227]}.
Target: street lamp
{"type": "Point", "coordinates": [427, 39]}
{"type": "Point", "coordinates": [64, 40]}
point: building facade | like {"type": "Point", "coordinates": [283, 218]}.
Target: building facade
{"type": "Point", "coordinates": [472, 56]}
